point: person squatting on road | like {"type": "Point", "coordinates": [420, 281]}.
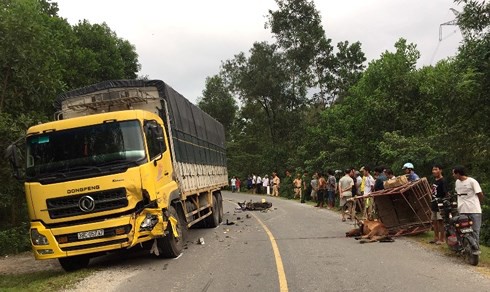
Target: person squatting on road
{"type": "Point", "coordinates": [470, 198]}
{"type": "Point", "coordinates": [440, 191]}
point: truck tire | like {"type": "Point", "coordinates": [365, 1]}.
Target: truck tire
{"type": "Point", "coordinates": [74, 263]}
{"type": "Point", "coordinates": [213, 220]}
{"type": "Point", "coordinates": [220, 205]}
{"type": "Point", "coordinates": [169, 246]}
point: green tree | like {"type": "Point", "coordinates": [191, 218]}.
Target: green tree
{"type": "Point", "coordinates": [298, 31]}
{"type": "Point", "coordinates": [350, 65]}
{"type": "Point", "coordinates": [41, 56]}
{"type": "Point", "coordinates": [218, 102]}
{"type": "Point", "coordinates": [97, 54]}
{"type": "Point", "coordinates": [29, 72]}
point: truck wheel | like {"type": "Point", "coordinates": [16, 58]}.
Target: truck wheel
{"type": "Point", "coordinates": [470, 258]}
{"type": "Point", "coordinates": [169, 246]}
{"type": "Point", "coordinates": [74, 263]}
{"type": "Point", "coordinates": [213, 220]}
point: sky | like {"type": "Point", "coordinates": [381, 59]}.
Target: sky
{"type": "Point", "coordinates": [183, 42]}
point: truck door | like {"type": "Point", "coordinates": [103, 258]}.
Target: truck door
{"type": "Point", "coordinates": [160, 168]}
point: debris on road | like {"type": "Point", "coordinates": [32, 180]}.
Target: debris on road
{"type": "Point", "coordinates": [255, 206]}
{"type": "Point", "coordinates": [229, 222]}
{"type": "Point", "coordinates": [200, 241]}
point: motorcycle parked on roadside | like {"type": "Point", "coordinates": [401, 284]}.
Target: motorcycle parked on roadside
{"type": "Point", "coordinates": [460, 236]}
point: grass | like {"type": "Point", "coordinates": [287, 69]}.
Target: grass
{"type": "Point", "coordinates": [42, 281]}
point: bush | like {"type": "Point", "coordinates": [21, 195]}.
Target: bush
{"type": "Point", "coordinates": [15, 240]}
{"type": "Point", "coordinates": [485, 228]}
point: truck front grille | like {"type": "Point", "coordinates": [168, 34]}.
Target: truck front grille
{"type": "Point", "coordinates": [103, 201]}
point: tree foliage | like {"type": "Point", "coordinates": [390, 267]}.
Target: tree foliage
{"type": "Point", "coordinates": [219, 103]}
{"type": "Point", "coordinates": [42, 55]}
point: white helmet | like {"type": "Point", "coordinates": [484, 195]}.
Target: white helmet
{"type": "Point", "coordinates": [408, 165]}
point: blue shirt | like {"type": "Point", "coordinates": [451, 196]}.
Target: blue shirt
{"type": "Point", "coordinates": [378, 184]}
{"type": "Point", "coordinates": [412, 176]}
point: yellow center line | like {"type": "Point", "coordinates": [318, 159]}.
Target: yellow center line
{"type": "Point", "coordinates": [283, 283]}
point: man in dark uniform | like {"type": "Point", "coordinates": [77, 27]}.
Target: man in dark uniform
{"type": "Point", "coordinates": [441, 190]}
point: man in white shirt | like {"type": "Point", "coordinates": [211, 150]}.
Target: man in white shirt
{"type": "Point", "coordinates": [368, 188]}
{"type": "Point", "coordinates": [233, 184]}
{"type": "Point", "coordinates": [345, 191]}
{"type": "Point", "coordinates": [470, 198]}
{"type": "Point", "coordinates": [265, 184]}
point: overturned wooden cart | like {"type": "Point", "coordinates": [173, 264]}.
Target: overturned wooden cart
{"type": "Point", "coordinates": [403, 209]}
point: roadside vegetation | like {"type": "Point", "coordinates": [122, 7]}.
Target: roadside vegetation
{"type": "Point", "coordinates": [41, 56]}
{"type": "Point", "coordinates": [42, 281]}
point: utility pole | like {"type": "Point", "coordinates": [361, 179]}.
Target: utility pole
{"type": "Point", "coordinates": [451, 22]}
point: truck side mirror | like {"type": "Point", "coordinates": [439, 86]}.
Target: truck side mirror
{"type": "Point", "coordinates": [12, 154]}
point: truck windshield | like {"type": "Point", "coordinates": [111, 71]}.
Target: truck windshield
{"type": "Point", "coordinates": [96, 147]}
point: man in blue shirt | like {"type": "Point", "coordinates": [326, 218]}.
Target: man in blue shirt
{"type": "Point", "coordinates": [380, 178]}
{"type": "Point", "coordinates": [409, 172]}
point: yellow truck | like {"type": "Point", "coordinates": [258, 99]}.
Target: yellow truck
{"type": "Point", "coordinates": [125, 163]}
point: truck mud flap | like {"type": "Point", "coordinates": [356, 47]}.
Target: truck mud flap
{"type": "Point", "coordinates": [173, 223]}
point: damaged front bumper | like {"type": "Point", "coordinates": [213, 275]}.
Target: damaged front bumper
{"type": "Point", "coordinates": [98, 237]}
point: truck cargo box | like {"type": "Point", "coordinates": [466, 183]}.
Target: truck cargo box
{"type": "Point", "coordinates": [197, 140]}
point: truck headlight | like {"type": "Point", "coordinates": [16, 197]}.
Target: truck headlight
{"type": "Point", "coordinates": [37, 238]}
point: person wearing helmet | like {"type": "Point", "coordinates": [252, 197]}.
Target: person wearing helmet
{"type": "Point", "coordinates": [409, 172]}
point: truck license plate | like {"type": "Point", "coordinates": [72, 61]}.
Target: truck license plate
{"type": "Point", "coordinates": [467, 230]}
{"type": "Point", "coordinates": [91, 234]}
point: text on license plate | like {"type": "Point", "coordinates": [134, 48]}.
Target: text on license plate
{"type": "Point", "coordinates": [91, 234]}
{"type": "Point", "coordinates": [466, 230]}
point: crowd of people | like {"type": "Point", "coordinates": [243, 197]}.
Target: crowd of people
{"type": "Point", "coordinates": [328, 189]}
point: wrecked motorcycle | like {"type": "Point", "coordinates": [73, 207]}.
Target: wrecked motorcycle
{"type": "Point", "coordinates": [460, 236]}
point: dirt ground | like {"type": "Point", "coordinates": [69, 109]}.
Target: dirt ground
{"type": "Point", "coordinates": [25, 263]}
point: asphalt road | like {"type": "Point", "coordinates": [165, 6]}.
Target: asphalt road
{"type": "Point", "coordinates": [313, 249]}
